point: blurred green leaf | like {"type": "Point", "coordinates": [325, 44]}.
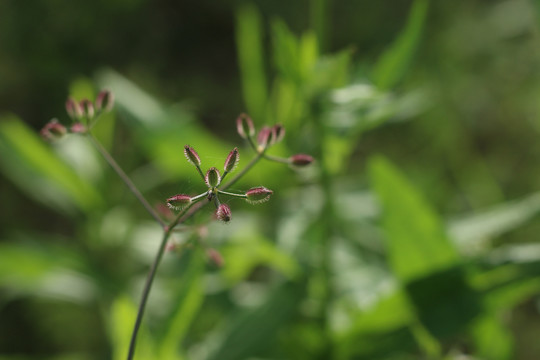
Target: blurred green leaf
{"type": "Point", "coordinates": [492, 340]}
{"type": "Point", "coordinates": [421, 255]}
{"type": "Point", "coordinates": [252, 332]}
{"type": "Point", "coordinates": [30, 164]}
{"type": "Point", "coordinates": [416, 242]}
{"type": "Point", "coordinates": [188, 304]}
{"type": "Point", "coordinates": [250, 56]}
{"type": "Point", "coordinates": [470, 231]}
{"type": "Point", "coordinates": [244, 254]}
{"type": "Point", "coordinates": [393, 64]}
{"type": "Point", "coordinates": [122, 319]}
{"type": "Point", "coordinates": [42, 271]}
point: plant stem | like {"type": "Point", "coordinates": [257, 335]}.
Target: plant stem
{"type": "Point", "coordinates": [182, 216]}
{"type": "Point", "coordinates": [277, 159]}
{"type": "Point", "coordinates": [232, 194]}
{"type": "Point", "coordinates": [132, 187]}
{"type": "Point", "coordinates": [185, 214]}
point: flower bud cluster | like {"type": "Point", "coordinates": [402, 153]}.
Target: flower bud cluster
{"type": "Point", "coordinates": [213, 180]}
{"type": "Point", "coordinates": [267, 137]}
{"type": "Point", "coordinates": [81, 113]}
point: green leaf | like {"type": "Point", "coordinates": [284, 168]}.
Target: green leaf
{"type": "Point", "coordinates": [47, 272]}
{"type": "Point", "coordinates": [122, 319]}
{"type": "Point", "coordinates": [421, 255]}
{"type": "Point", "coordinates": [32, 165]}
{"type": "Point", "coordinates": [254, 331]}
{"type": "Point", "coordinates": [416, 241]}
{"type": "Point", "coordinates": [244, 254]}
{"type": "Point", "coordinates": [394, 62]}
{"type": "Point", "coordinates": [492, 340]}
{"type": "Point", "coordinates": [470, 230]}
{"type": "Point", "coordinates": [250, 56]}
{"type": "Point", "coordinates": [189, 302]}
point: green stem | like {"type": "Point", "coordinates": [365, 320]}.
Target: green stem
{"type": "Point", "coordinates": [277, 159]}
{"type": "Point", "coordinates": [232, 194]}
{"type": "Point", "coordinates": [181, 217]}
{"type": "Point", "coordinates": [131, 186]}
{"type": "Point", "coordinates": [185, 214]}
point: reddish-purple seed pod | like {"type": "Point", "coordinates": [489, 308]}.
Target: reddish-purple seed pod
{"type": "Point", "coordinates": [53, 130]}
{"type": "Point", "coordinates": [244, 126]}
{"type": "Point", "coordinates": [232, 160]}
{"type": "Point", "coordinates": [104, 101]}
{"type": "Point", "coordinates": [74, 109]}
{"type": "Point", "coordinates": [301, 159]}
{"type": "Point", "coordinates": [215, 257]}
{"type": "Point", "coordinates": [278, 132]}
{"type": "Point", "coordinates": [258, 195]}
{"type": "Point", "coordinates": [87, 108]}
{"type": "Point", "coordinates": [179, 201]}
{"type": "Point", "coordinates": [223, 213]}
{"type": "Point", "coordinates": [264, 137]}
{"type": "Point", "coordinates": [212, 178]}
{"type": "Point", "coordinates": [192, 156]}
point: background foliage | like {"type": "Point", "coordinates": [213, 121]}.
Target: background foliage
{"type": "Point", "coordinates": [413, 236]}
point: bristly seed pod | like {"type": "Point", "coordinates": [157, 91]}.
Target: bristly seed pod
{"type": "Point", "coordinates": [53, 130]}
{"type": "Point", "coordinates": [223, 213]}
{"type": "Point", "coordinates": [104, 101]}
{"type": "Point", "coordinates": [87, 108]}
{"type": "Point", "coordinates": [78, 128]}
{"type": "Point", "coordinates": [192, 156]}
{"type": "Point", "coordinates": [212, 178]}
{"type": "Point", "coordinates": [263, 137]}
{"type": "Point", "coordinates": [244, 126]}
{"type": "Point", "coordinates": [215, 257]}
{"type": "Point", "coordinates": [73, 108]}
{"type": "Point", "coordinates": [278, 132]}
{"type": "Point", "coordinates": [301, 159]}
{"type": "Point", "coordinates": [258, 195]}
{"type": "Point", "coordinates": [232, 160]}
{"type": "Point", "coordinates": [178, 202]}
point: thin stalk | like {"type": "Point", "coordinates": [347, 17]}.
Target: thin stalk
{"type": "Point", "coordinates": [232, 194]}
{"type": "Point", "coordinates": [277, 159]}
{"type": "Point", "coordinates": [182, 216]}
{"type": "Point", "coordinates": [131, 186]}
{"type": "Point", "coordinates": [185, 214]}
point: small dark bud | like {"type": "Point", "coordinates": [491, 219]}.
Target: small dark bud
{"type": "Point", "coordinates": [178, 202]}
{"type": "Point", "coordinates": [104, 101]}
{"type": "Point", "coordinates": [73, 109]}
{"type": "Point", "coordinates": [212, 178]}
{"type": "Point", "coordinates": [215, 257]}
{"type": "Point", "coordinates": [87, 108]}
{"type": "Point", "coordinates": [244, 126]}
{"type": "Point", "coordinates": [232, 160]}
{"type": "Point", "coordinates": [223, 213]}
{"type": "Point", "coordinates": [53, 130]}
{"type": "Point", "coordinates": [263, 137]}
{"type": "Point", "coordinates": [301, 160]}
{"type": "Point", "coordinates": [192, 156]}
{"type": "Point", "coordinates": [258, 195]}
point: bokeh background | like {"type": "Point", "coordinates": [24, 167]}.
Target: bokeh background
{"type": "Point", "coordinates": [414, 235]}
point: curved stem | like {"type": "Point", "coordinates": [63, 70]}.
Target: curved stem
{"type": "Point", "coordinates": [185, 214]}
{"type": "Point", "coordinates": [132, 187]}
{"type": "Point", "coordinates": [182, 216]}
